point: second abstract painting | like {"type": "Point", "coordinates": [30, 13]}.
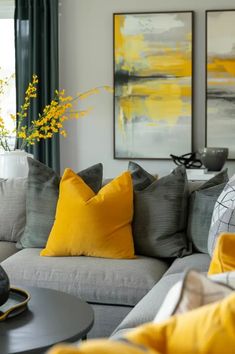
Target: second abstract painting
{"type": "Point", "coordinates": [221, 79]}
{"type": "Point", "coordinates": [152, 84]}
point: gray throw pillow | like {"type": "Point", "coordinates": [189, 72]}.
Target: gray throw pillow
{"type": "Point", "coordinates": [160, 210]}
{"type": "Point", "coordinates": [41, 200]}
{"type": "Point", "coordinates": [201, 205]}
{"type": "Point", "coordinates": [12, 208]}
{"type": "Point", "coordinates": [140, 178]}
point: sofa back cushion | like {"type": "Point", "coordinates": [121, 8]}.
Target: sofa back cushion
{"type": "Point", "coordinates": [12, 208]}
{"type": "Point", "coordinates": [201, 205]}
{"type": "Point", "coordinates": [160, 214]}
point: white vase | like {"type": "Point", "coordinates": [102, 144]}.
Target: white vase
{"type": "Point", "coordinates": [14, 164]}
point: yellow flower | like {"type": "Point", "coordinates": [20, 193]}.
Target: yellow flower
{"type": "Point", "coordinates": [50, 121]}
{"type": "Point", "coordinates": [63, 133]}
{"type": "Point", "coordinates": [22, 135]}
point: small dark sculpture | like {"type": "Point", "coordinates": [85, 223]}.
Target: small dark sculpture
{"type": "Point", "coordinates": [188, 160]}
{"type": "Point", "coordinates": [4, 286]}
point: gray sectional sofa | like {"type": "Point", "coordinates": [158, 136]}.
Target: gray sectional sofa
{"type": "Point", "coordinates": [120, 291]}
{"type": "Point", "coordinates": [123, 293]}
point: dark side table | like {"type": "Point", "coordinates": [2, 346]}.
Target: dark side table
{"type": "Point", "coordinates": [52, 317]}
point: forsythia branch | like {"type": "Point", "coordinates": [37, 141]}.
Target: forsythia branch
{"type": "Point", "coordinates": [50, 121]}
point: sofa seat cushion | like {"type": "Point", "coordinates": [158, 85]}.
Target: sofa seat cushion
{"type": "Point", "coordinates": [197, 261]}
{"type": "Point", "coordinates": [148, 307]}
{"type": "Point", "coordinates": [7, 249]}
{"type": "Point", "coordinates": [96, 280]}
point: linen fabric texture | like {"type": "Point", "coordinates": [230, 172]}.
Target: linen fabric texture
{"type": "Point", "coordinates": [223, 259]}
{"type": "Point", "coordinates": [12, 208]}
{"type": "Point", "coordinates": [160, 213]}
{"type": "Point", "coordinates": [98, 280]}
{"type": "Point", "coordinates": [201, 205]}
{"type": "Point", "coordinates": [41, 200]}
{"type": "Point", "coordinates": [90, 224]}
{"type": "Point", "coordinates": [223, 217]}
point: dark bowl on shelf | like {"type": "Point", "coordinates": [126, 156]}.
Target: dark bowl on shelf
{"type": "Point", "coordinates": [213, 158]}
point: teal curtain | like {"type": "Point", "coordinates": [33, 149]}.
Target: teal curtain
{"type": "Point", "coordinates": [36, 45]}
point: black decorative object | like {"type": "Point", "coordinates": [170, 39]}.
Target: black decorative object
{"type": "Point", "coordinates": [189, 160]}
{"type": "Point", "coordinates": [4, 286]}
{"type": "Point", "coordinates": [13, 301]}
{"type": "Point", "coordinates": [16, 303]}
{"type": "Point", "coordinates": [214, 158]}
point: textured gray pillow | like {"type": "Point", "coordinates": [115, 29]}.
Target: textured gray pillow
{"type": "Point", "coordinates": [201, 207]}
{"type": "Point", "coordinates": [41, 200]}
{"type": "Point", "coordinates": [12, 208]}
{"type": "Point", "coordinates": [160, 216]}
{"type": "Point", "coordinates": [223, 217]}
{"type": "Point", "coordinates": [140, 178]}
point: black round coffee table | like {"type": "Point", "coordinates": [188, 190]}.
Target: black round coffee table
{"type": "Point", "coordinates": [52, 317]}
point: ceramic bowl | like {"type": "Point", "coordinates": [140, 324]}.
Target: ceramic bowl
{"type": "Point", "coordinates": [213, 158]}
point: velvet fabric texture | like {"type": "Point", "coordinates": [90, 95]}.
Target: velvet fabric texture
{"type": "Point", "coordinates": [223, 259]}
{"type": "Point", "coordinates": [206, 330]}
{"type": "Point", "coordinates": [90, 224]}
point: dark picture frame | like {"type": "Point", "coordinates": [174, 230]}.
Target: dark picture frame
{"type": "Point", "coordinates": [153, 84]}
{"type": "Point", "coordinates": [219, 78]}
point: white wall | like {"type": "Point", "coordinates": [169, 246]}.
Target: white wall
{"type": "Point", "coordinates": [86, 60]}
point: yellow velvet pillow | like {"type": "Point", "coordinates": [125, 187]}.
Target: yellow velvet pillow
{"type": "Point", "coordinates": [223, 259]}
{"type": "Point", "coordinates": [206, 330]}
{"type": "Point", "coordinates": [92, 224]}
{"type": "Point", "coordinates": [102, 346]}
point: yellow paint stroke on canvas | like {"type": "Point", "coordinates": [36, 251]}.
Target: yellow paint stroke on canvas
{"type": "Point", "coordinates": [165, 103]}
{"type": "Point", "coordinates": [221, 66]}
{"type": "Point", "coordinates": [155, 100]}
{"type": "Point", "coordinates": [162, 89]}
{"type": "Point", "coordinates": [130, 53]}
{"type": "Point", "coordinates": [127, 48]}
{"type": "Point", "coordinates": [175, 63]}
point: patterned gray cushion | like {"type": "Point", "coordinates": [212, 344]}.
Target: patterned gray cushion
{"type": "Point", "coordinates": [201, 206]}
{"type": "Point", "coordinates": [159, 221]}
{"type": "Point", "coordinates": [223, 218]}
{"type": "Point", "coordinates": [41, 200]}
{"type": "Point", "coordinates": [12, 208]}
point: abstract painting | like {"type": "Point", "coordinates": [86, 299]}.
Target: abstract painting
{"type": "Point", "coordinates": [152, 84]}
{"type": "Point", "coordinates": [220, 103]}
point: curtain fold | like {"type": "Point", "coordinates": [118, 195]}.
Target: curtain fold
{"type": "Point", "coordinates": [36, 46]}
